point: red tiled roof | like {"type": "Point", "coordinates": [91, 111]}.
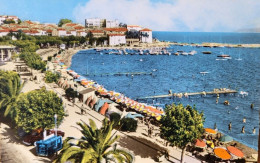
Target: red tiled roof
{"type": "Point", "coordinates": [26, 31]}
{"type": "Point", "coordinates": [116, 29]}
{"type": "Point", "coordinates": [49, 31]}
{"type": "Point", "coordinates": [61, 29]}
{"type": "Point", "coordinates": [116, 35]}
{"type": "Point", "coordinates": [133, 26]}
{"type": "Point", "coordinates": [29, 22]}
{"type": "Point", "coordinates": [34, 31]}
{"type": "Point", "coordinates": [145, 29]}
{"type": "Point", "coordinates": [4, 30]}
{"type": "Point", "coordinates": [96, 31]}
{"type": "Point", "coordinates": [79, 27]}
{"type": "Point", "coordinates": [70, 24]}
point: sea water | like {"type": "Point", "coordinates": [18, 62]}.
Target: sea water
{"type": "Point", "coordinates": [182, 74]}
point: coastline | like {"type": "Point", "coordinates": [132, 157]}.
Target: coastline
{"type": "Point", "coordinates": [248, 150]}
{"type": "Point", "coordinates": [69, 125]}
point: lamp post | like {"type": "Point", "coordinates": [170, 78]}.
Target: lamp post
{"type": "Point", "coordinates": [55, 119]}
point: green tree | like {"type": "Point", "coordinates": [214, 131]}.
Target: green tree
{"type": "Point", "coordinates": [10, 88]}
{"type": "Point", "coordinates": [94, 146]}
{"type": "Point", "coordinates": [9, 21]}
{"type": "Point", "coordinates": [64, 21]}
{"type": "Point", "coordinates": [37, 109]}
{"type": "Point", "coordinates": [51, 77]}
{"type": "Point", "coordinates": [181, 125]}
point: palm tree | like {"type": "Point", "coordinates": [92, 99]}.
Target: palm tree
{"type": "Point", "coordinates": [96, 145]}
{"type": "Point", "coordinates": [10, 86]}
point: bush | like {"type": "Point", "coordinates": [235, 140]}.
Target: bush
{"type": "Point", "coordinates": [128, 124]}
{"type": "Point", "coordinates": [70, 93]}
{"type": "Point", "coordinates": [49, 58]}
{"type": "Point", "coordinates": [51, 77]}
{"type": "Point", "coordinates": [115, 117]}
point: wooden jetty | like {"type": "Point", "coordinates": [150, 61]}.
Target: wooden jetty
{"type": "Point", "coordinates": [180, 95]}
{"type": "Point", "coordinates": [121, 73]}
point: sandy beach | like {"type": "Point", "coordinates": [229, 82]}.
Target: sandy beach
{"type": "Point", "coordinates": [144, 148]}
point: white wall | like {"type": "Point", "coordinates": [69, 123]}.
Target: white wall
{"type": "Point", "coordinates": [117, 39]}
{"type": "Point", "coordinates": [148, 39]}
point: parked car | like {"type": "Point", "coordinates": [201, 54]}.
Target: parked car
{"type": "Point", "coordinates": [37, 135]}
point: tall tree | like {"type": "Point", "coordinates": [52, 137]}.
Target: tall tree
{"type": "Point", "coordinates": [64, 21]}
{"type": "Point", "coordinates": [181, 125]}
{"type": "Point", "coordinates": [37, 109]}
{"type": "Point", "coordinates": [10, 88]}
{"type": "Point", "coordinates": [94, 146]}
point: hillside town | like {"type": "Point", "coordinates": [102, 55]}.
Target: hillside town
{"type": "Point", "coordinates": [113, 32]}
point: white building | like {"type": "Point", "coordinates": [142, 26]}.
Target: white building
{"type": "Point", "coordinates": [146, 35]}
{"type": "Point", "coordinates": [116, 39]}
{"type": "Point", "coordinates": [4, 32]}
{"type": "Point", "coordinates": [59, 32]}
{"type": "Point", "coordinates": [112, 23]}
{"type": "Point", "coordinates": [134, 28]}
{"type": "Point", "coordinates": [94, 23]}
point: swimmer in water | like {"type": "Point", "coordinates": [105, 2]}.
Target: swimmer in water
{"type": "Point", "coordinates": [244, 120]}
{"type": "Point", "coordinates": [243, 130]}
{"type": "Point", "coordinates": [254, 130]}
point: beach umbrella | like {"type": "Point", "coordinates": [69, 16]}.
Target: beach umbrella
{"type": "Point", "coordinates": [210, 131]}
{"type": "Point", "coordinates": [226, 139]}
{"type": "Point", "coordinates": [222, 153]}
{"type": "Point", "coordinates": [200, 143]}
{"type": "Point", "coordinates": [234, 151]}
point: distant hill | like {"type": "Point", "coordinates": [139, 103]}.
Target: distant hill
{"type": "Point", "coordinates": [250, 30]}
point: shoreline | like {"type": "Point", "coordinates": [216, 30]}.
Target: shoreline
{"type": "Point", "coordinates": [236, 141]}
{"type": "Point", "coordinates": [69, 125]}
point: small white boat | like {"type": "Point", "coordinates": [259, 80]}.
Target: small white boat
{"type": "Point", "coordinates": [203, 73]}
{"type": "Point", "coordinates": [141, 60]}
{"type": "Point", "coordinates": [192, 52]}
{"type": "Point", "coordinates": [243, 93]}
{"type": "Point", "coordinates": [184, 53]}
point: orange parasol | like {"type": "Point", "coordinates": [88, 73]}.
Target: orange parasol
{"type": "Point", "coordinates": [222, 153]}
{"type": "Point", "coordinates": [200, 143]}
{"type": "Point", "coordinates": [210, 131]}
{"type": "Point", "coordinates": [235, 151]}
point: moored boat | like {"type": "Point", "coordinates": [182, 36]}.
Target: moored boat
{"type": "Point", "coordinates": [206, 52]}
{"type": "Point", "coordinates": [224, 56]}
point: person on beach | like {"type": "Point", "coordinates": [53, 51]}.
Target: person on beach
{"type": "Point", "coordinates": [82, 110]}
{"type": "Point", "coordinates": [229, 126]}
{"type": "Point", "coordinates": [215, 126]}
{"type": "Point", "coordinates": [243, 130]}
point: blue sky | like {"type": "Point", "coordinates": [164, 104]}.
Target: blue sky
{"type": "Point", "coordinates": [163, 15]}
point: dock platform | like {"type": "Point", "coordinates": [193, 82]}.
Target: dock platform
{"type": "Point", "coordinates": [180, 95]}
{"type": "Point", "coordinates": [121, 73]}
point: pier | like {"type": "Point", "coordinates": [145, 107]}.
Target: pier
{"type": "Point", "coordinates": [186, 94]}
{"type": "Point", "coordinates": [121, 73]}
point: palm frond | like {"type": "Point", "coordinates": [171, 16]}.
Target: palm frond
{"type": "Point", "coordinates": [69, 153]}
